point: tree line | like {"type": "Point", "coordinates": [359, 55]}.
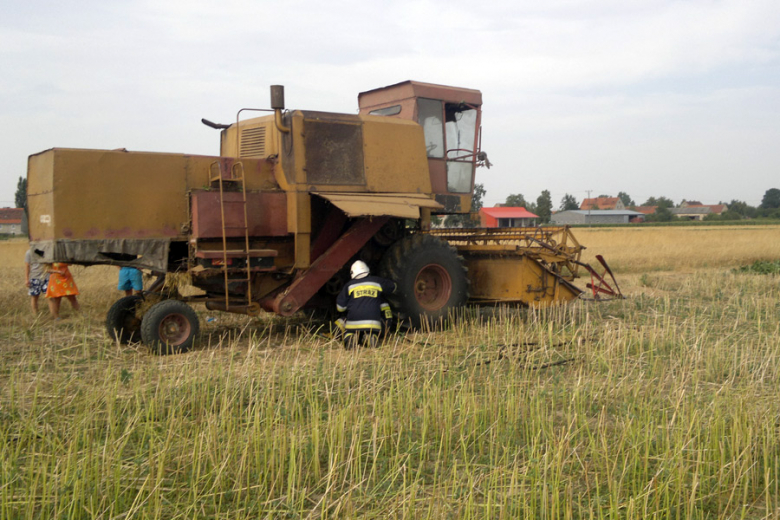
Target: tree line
{"type": "Point", "coordinates": [737, 209]}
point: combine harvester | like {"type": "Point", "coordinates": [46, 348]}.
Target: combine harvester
{"type": "Point", "coordinates": [274, 222]}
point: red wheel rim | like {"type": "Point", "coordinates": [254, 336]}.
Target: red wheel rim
{"type": "Point", "coordinates": [174, 329]}
{"type": "Point", "coordinates": [432, 287]}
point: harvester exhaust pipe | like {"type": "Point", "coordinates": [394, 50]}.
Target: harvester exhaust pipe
{"type": "Point", "coordinates": [217, 126]}
{"type": "Point", "coordinates": [277, 103]}
{"type": "Point", "coordinates": [277, 97]}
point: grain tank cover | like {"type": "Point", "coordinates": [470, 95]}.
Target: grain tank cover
{"type": "Point", "coordinates": [401, 205]}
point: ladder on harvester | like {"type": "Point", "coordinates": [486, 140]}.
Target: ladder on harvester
{"type": "Point", "coordinates": [236, 178]}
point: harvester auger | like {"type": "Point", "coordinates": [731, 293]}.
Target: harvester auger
{"type": "Point", "coordinates": [273, 223]}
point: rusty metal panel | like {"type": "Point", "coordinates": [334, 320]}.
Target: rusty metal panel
{"type": "Point", "coordinates": [385, 96]}
{"type": "Point", "coordinates": [266, 214]}
{"type": "Point", "coordinates": [400, 205]}
{"type": "Point", "coordinates": [334, 152]}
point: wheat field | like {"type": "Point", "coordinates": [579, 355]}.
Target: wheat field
{"type": "Point", "coordinates": [662, 405]}
{"type": "Point", "coordinates": [680, 248]}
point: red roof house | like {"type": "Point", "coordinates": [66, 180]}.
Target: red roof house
{"type": "Point", "coordinates": [714, 208]}
{"type": "Point", "coordinates": [11, 215]}
{"type": "Point", "coordinates": [602, 203]}
{"type": "Point", "coordinates": [11, 221]}
{"type": "Point", "coordinates": [506, 217]}
{"type": "Point", "coordinates": [717, 208]}
{"type": "Point", "coordinates": [698, 211]}
{"type": "Point", "coordinates": [647, 210]}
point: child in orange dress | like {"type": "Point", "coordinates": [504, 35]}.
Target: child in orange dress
{"type": "Point", "coordinates": [61, 284]}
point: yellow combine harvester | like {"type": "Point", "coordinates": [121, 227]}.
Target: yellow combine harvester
{"type": "Point", "coordinates": [294, 197]}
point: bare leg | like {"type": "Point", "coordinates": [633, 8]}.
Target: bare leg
{"type": "Point", "coordinates": [129, 292]}
{"type": "Point", "coordinates": [34, 304]}
{"type": "Point", "coordinates": [73, 302]}
{"type": "Point", "coordinates": [54, 307]}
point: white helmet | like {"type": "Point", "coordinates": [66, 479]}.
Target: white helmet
{"type": "Point", "coordinates": [359, 270]}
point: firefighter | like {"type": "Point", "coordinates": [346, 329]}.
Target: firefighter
{"type": "Point", "coordinates": [362, 298]}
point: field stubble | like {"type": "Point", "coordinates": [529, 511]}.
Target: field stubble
{"type": "Point", "coordinates": [661, 405]}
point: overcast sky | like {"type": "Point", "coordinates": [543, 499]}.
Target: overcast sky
{"type": "Point", "coordinates": [652, 97]}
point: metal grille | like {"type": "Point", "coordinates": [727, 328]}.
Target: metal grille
{"type": "Point", "coordinates": [334, 152]}
{"type": "Point", "coordinates": [253, 142]}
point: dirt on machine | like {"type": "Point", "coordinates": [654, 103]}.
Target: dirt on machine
{"type": "Point", "coordinates": [295, 196]}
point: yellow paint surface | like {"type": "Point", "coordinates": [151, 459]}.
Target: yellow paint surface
{"type": "Point", "coordinates": [95, 194]}
{"type": "Point", "coordinates": [515, 278]}
{"type": "Point", "coordinates": [394, 156]}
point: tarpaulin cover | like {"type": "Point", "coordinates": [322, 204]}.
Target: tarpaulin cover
{"type": "Point", "coordinates": [140, 253]}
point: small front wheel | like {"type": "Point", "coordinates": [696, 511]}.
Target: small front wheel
{"type": "Point", "coordinates": [122, 323]}
{"type": "Point", "coordinates": [170, 327]}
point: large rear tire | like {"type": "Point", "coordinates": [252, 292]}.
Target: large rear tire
{"type": "Point", "coordinates": [122, 323]}
{"type": "Point", "coordinates": [430, 277]}
{"type": "Point", "coordinates": [170, 327]}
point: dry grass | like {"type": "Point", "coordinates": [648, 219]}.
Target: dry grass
{"type": "Point", "coordinates": [643, 249]}
{"type": "Point", "coordinates": [663, 405]}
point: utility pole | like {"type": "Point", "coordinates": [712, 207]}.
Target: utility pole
{"type": "Point", "coordinates": [590, 205]}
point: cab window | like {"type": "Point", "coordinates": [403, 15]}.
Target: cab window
{"type": "Point", "coordinates": [386, 111]}
{"type": "Point", "coordinates": [461, 128]}
{"type": "Point", "coordinates": [430, 115]}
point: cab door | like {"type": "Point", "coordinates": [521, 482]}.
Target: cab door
{"type": "Point", "coordinates": [452, 144]}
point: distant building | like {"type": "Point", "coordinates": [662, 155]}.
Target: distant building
{"type": "Point", "coordinates": [691, 211]}
{"type": "Point", "coordinates": [11, 221]}
{"type": "Point", "coordinates": [502, 216]}
{"type": "Point", "coordinates": [595, 216]}
{"type": "Point", "coordinates": [645, 210]}
{"type": "Point", "coordinates": [602, 203]}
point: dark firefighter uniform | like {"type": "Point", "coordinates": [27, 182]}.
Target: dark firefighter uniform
{"type": "Point", "coordinates": [363, 301]}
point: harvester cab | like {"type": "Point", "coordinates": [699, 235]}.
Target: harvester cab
{"type": "Point", "coordinates": [293, 199]}
{"type": "Point", "coordinates": [450, 118]}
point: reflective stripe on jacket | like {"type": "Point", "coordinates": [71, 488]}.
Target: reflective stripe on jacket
{"type": "Point", "coordinates": [362, 300]}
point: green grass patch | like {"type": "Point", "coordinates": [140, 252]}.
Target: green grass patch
{"type": "Point", "coordinates": [760, 267]}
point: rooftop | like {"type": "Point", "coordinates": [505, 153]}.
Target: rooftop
{"type": "Point", "coordinates": [11, 215]}
{"type": "Point", "coordinates": [508, 212]}
{"type": "Point", "coordinates": [600, 202]}
{"type": "Point", "coordinates": [602, 212]}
